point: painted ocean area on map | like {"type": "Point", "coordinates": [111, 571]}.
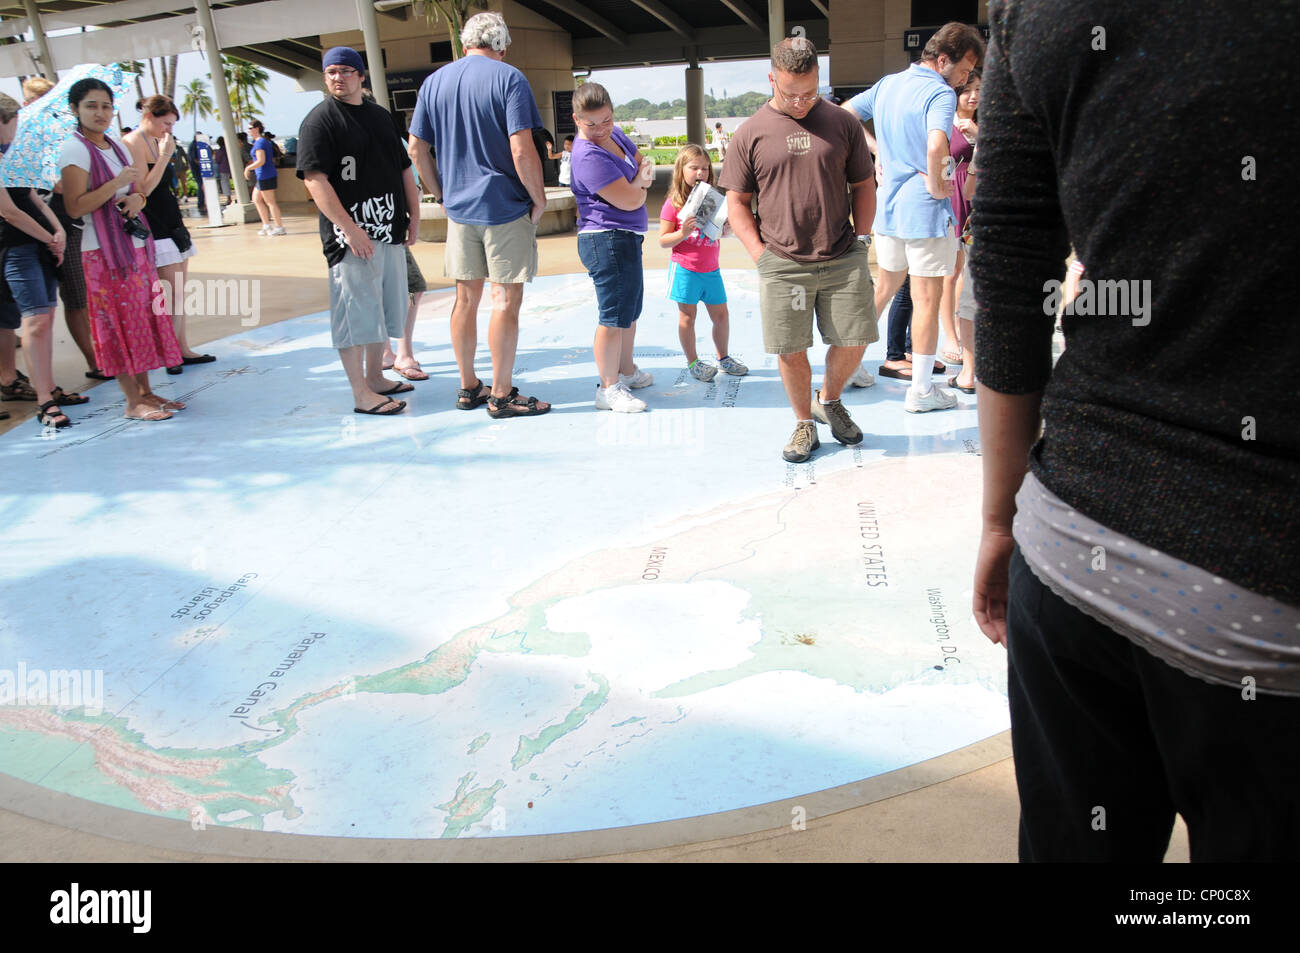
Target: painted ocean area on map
{"type": "Point", "coordinates": [441, 625]}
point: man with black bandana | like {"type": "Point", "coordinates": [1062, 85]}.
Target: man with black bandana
{"type": "Point", "coordinates": [359, 176]}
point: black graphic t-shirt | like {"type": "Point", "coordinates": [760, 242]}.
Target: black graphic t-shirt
{"type": "Point", "coordinates": [358, 148]}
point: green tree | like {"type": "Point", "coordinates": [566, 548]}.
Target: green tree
{"type": "Point", "coordinates": [246, 83]}
{"type": "Point", "coordinates": [196, 101]}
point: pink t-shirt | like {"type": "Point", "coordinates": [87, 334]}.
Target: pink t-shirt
{"type": "Point", "coordinates": [695, 253]}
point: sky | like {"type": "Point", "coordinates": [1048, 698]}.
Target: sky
{"type": "Point", "coordinates": [285, 107]}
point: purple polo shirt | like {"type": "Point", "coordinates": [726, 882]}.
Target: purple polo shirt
{"type": "Point", "coordinates": [592, 169]}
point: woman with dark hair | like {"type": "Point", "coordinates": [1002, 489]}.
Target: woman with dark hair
{"type": "Point", "coordinates": [99, 186]}
{"type": "Point", "coordinates": [263, 165]}
{"type": "Point", "coordinates": [151, 142]}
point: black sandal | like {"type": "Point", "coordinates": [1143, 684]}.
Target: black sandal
{"type": "Point", "coordinates": [512, 405]}
{"type": "Point", "coordinates": [472, 397]}
{"type": "Point", "coordinates": [95, 374]}
{"type": "Point", "coordinates": [51, 418]}
{"type": "Point", "coordinates": [64, 399]}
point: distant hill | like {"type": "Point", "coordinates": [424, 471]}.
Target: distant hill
{"type": "Point", "coordinates": [746, 104]}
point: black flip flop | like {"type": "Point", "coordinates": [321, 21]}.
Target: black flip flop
{"type": "Point", "coordinates": [95, 374]}
{"type": "Point", "coordinates": [376, 412]}
{"type": "Point", "coordinates": [400, 387]}
{"type": "Point", "coordinates": [952, 382]}
{"type": "Point", "coordinates": [201, 359]}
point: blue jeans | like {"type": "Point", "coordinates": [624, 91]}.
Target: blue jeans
{"type": "Point", "coordinates": [32, 283]}
{"type": "Point", "coordinates": [898, 339]}
{"type": "Point", "coordinates": [613, 259]}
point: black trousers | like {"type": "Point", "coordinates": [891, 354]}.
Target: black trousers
{"type": "Point", "coordinates": [898, 336]}
{"type": "Point", "coordinates": [1110, 742]}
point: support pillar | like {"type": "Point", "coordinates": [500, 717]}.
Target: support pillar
{"type": "Point", "coordinates": [221, 95]}
{"type": "Point", "coordinates": [775, 22]}
{"type": "Point", "coordinates": [48, 69]}
{"type": "Point", "coordinates": [695, 102]}
{"type": "Point", "coordinates": [374, 51]}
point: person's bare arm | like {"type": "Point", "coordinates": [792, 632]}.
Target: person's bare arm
{"type": "Point", "coordinates": [140, 152]}
{"type": "Point", "coordinates": [529, 169]}
{"type": "Point", "coordinates": [20, 220]}
{"type": "Point", "coordinates": [412, 206]}
{"type": "Point", "coordinates": [671, 239]}
{"type": "Point", "coordinates": [864, 205]}
{"type": "Point", "coordinates": [972, 181]}
{"type": "Point", "coordinates": [421, 154]}
{"type": "Point", "coordinates": [327, 200]}
{"type": "Point", "coordinates": [79, 201]}
{"type": "Point", "coordinates": [624, 195]}
{"type": "Point", "coordinates": [1008, 426]}
{"type": "Point", "coordinates": [936, 161]}
{"type": "Point", "coordinates": [741, 218]}
{"type": "Point", "coordinates": [871, 140]}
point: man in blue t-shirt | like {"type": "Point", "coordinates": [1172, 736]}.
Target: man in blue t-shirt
{"type": "Point", "coordinates": [476, 118]}
{"type": "Point", "coordinates": [913, 113]}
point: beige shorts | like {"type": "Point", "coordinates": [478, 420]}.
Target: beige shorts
{"type": "Point", "coordinates": [919, 257]}
{"type": "Point", "coordinates": [838, 293]}
{"type": "Point", "coordinates": [505, 254]}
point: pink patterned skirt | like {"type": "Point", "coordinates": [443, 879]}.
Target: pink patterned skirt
{"type": "Point", "coordinates": [129, 337]}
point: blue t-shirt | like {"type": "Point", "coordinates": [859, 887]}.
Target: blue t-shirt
{"type": "Point", "coordinates": [592, 169]}
{"type": "Point", "coordinates": [906, 107]}
{"type": "Point", "coordinates": [267, 169]}
{"type": "Point", "coordinates": [467, 111]}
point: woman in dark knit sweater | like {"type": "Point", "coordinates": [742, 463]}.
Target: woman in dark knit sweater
{"type": "Point", "coordinates": [1145, 573]}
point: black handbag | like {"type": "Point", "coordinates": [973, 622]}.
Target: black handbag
{"type": "Point", "coordinates": [181, 236]}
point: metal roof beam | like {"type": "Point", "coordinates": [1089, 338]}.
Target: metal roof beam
{"type": "Point", "coordinates": [590, 17]}
{"type": "Point", "coordinates": [742, 10]}
{"type": "Point", "coordinates": [669, 19]}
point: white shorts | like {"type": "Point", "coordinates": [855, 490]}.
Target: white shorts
{"type": "Point", "coordinates": [919, 257]}
{"type": "Point", "coordinates": [166, 253]}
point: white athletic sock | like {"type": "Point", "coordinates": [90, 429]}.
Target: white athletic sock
{"type": "Point", "coordinates": [922, 368]}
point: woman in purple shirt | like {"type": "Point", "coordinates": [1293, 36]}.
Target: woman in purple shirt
{"type": "Point", "coordinates": [961, 146]}
{"type": "Point", "coordinates": [610, 181]}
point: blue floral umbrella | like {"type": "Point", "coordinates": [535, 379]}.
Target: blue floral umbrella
{"type": "Point", "coordinates": [33, 157]}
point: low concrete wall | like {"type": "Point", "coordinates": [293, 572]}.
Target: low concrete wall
{"type": "Point", "coordinates": [561, 216]}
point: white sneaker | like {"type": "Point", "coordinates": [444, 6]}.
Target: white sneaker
{"type": "Point", "coordinates": [862, 377]}
{"type": "Point", "coordinates": [264, 230]}
{"type": "Point", "coordinates": [638, 379]}
{"type": "Point", "coordinates": [618, 399]}
{"type": "Point", "coordinates": [936, 399]}
{"type": "Point", "coordinates": [278, 230]}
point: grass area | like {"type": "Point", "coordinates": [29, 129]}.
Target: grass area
{"type": "Point", "coordinates": [668, 156]}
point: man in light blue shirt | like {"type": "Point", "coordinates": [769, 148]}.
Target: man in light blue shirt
{"type": "Point", "coordinates": [913, 113]}
{"type": "Point", "coordinates": [476, 117]}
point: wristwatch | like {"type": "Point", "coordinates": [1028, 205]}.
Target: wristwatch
{"type": "Point", "coordinates": [865, 239]}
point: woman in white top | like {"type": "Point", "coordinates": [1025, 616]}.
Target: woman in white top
{"type": "Point", "coordinates": [99, 186]}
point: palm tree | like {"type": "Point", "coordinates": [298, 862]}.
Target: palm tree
{"type": "Point", "coordinates": [455, 12]}
{"type": "Point", "coordinates": [246, 83]}
{"type": "Point", "coordinates": [136, 67]}
{"type": "Point", "coordinates": [197, 101]}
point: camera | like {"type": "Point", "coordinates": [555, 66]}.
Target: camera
{"type": "Point", "coordinates": [136, 228]}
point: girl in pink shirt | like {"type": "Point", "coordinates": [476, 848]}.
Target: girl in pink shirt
{"type": "Point", "coordinates": [693, 275]}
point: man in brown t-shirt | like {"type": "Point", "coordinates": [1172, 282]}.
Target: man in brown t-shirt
{"type": "Point", "coordinates": [807, 161]}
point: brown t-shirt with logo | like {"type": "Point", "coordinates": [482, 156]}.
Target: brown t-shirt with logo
{"type": "Point", "coordinates": [801, 169]}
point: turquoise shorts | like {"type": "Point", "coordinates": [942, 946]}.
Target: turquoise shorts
{"type": "Point", "coordinates": [691, 287]}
